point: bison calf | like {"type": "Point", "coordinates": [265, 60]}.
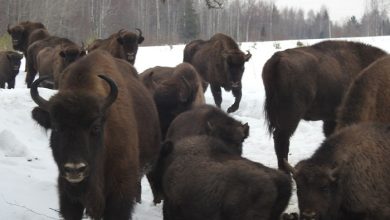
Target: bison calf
{"type": "Point", "coordinates": [348, 177]}
{"type": "Point", "coordinates": [9, 68]}
{"type": "Point", "coordinates": [203, 179]}
{"type": "Point", "coordinates": [175, 90]}
{"type": "Point", "coordinates": [220, 62]}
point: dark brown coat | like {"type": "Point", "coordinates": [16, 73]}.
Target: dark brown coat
{"type": "Point", "coordinates": [203, 179]}
{"type": "Point", "coordinates": [308, 83]}
{"type": "Point", "coordinates": [96, 137]}
{"type": "Point", "coordinates": [368, 96]}
{"type": "Point", "coordinates": [9, 68]}
{"type": "Point", "coordinates": [175, 90]}
{"type": "Point", "coordinates": [122, 45]}
{"type": "Point", "coordinates": [220, 62]}
{"type": "Point", "coordinates": [348, 177]}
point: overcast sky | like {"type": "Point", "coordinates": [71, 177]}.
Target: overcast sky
{"type": "Point", "coordinates": [339, 10]}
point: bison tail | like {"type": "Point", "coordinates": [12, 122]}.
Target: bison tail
{"type": "Point", "coordinates": [270, 77]}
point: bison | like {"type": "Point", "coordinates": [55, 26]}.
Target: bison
{"type": "Point", "coordinates": [25, 33]}
{"type": "Point", "coordinates": [308, 83]}
{"type": "Point", "coordinates": [97, 136]}
{"type": "Point", "coordinates": [368, 96]}
{"type": "Point", "coordinates": [348, 177]}
{"type": "Point", "coordinates": [9, 68]}
{"type": "Point", "coordinates": [203, 179]}
{"type": "Point", "coordinates": [67, 49]}
{"type": "Point", "coordinates": [220, 62]}
{"type": "Point", "coordinates": [122, 45]}
{"type": "Point", "coordinates": [211, 121]}
{"type": "Point", "coordinates": [175, 90]}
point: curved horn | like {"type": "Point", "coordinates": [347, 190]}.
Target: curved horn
{"type": "Point", "coordinates": [113, 92]}
{"type": "Point", "coordinates": [248, 55]}
{"type": "Point", "coordinates": [120, 32]}
{"type": "Point", "coordinates": [139, 32]}
{"type": "Point", "coordinates": [41, 102]}
{"type": "Point", "coordinates": [289, 168]}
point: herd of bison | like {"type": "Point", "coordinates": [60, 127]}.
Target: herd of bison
{"type": "Point", "coordinates": [110, 126]}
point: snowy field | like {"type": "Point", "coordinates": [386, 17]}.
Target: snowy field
{"type": "Point", "coordinates": [28, 172]}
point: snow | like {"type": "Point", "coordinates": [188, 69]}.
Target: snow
{"type": "Point", "coordinates": [27, 169]}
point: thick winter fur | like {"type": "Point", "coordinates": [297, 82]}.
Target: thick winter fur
{"type": "Point", "coordinates": [9, 68]}
{"type": "Point", "coordinates": [308, 83]}
{"type": "Point", "coordinates": [32, 59]}
{"type": "Point", "coordinates": [348, 177]}
{"type": "Point", "coordinates": [368, 97]}
{"type": "Point", "coordinates": [175, 90]}
{"type": "Point", "coordinates": [203, 179]}
{"type": "Point", "coordinates": [122, 45]}
{"type": "Point", "coordinates": [220, 62]}
{"type": "Point", "coordinates": [109, 141]}
{"type": "Point", "coordinates": [209, 120]}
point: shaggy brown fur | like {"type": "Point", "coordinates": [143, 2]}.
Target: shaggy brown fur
{"type": "Point", "coordinates": [368, 97]}
{"type": "Point", "coordinates": [9, 68]}
{"type": "Point", "coordinates": [308, 83]}
{"type": "Point", "coordinates": [209, 120]}
{"type": "Point", "coordinates": [348, 177]}
{"type": "Point", "coordinates": [203, 179]}
{"type": "Point", "coordinates": [105, 137]}
{"type": "Point", "coordinates": [220, 62]}
{"type": "Point", "coordinates": [175, 90]}
{"type": "Point", "coordinates": [122, 45]}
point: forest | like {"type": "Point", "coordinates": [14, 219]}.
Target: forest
{"type": "Point", "coordinates": [179, 21]}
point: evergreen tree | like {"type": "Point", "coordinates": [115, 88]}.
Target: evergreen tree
{"type": "Point", "coordinates": [189, 28]}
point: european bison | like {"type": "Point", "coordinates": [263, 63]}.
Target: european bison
{"type": "Point", "coordinates": [9, 68]}
{"type": "Point", "coordinates": [25, 33]}
{"type": "Point", "coordinates": [368, 96]}
{"type": "Point", "coordinates": [175, 90]}
{"type": "Point", "coordinates": [308, 83]}
{"type": "Point", "coordinates": [220, 62]}
{"type": "Point", "coordinates": [348, 177]}
{"type": "Point", "coordinates": [51, 61]}
{"type": "Point", "coordinates": [203, 179]}
{"type": "Point", "coordinates": [95, 136]}
{"type": "Point", "coordinates": [122, 45]}
{"type": "Point", "coordinates": [211, 121]}
{"type": "Point", "coordinates": [50, 41]}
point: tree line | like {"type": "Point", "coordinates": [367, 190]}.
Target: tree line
{"type": "Point", "coordinates": [179, 21]}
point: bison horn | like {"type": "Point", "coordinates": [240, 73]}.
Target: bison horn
{"type": "Point", "coordinates": [41, 102]}
{"type": "Point", "coordinates": [113, 92]}
{"type": "Point", "coordinates": [289, 168]}
{"type": "Point", "coordinates": [248, 55]}
{"type": "Point", "coordinates": [120, 32]}
{"type": "Point", "coordinates": [139, 32]}
{"type": "Point", "coordinates": [188, 90]}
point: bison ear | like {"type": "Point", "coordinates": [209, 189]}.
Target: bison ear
{"type": "Point", "coordinates": [42, 117]}
{"type": "Point", "coordinates": [140, 39]}
{"type": "Point", "coordinates": [334, 173]}
{"type": "Point", "coordinates": [166, 148]}
{"type": "Point", "coordinates": [246, 129]}
{"type": "Point", "coordinates": [120, 41]}
{"type": "Point", "coordinates": [209, 128]}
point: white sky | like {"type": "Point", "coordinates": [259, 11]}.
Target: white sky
{"type": "Point", "coordinates": [339, 10]}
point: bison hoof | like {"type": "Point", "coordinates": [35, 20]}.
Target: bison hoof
{"type": "Point", "coordinates": [232, 108]}
{"type": "Point", "coordinates": [291, 216]}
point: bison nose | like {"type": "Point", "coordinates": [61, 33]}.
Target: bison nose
{"type": "Point", "coordinates": [130, 56]}
{"type": "Point", "coordinates": [75, 172]}
{"type": "Point", "coordinates": [308, 215]}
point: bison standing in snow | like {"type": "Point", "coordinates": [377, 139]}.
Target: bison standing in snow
{"type": "Point", "coordinates": [220, 62]}
{"type": "Point", "coordinates": [9, 68]}
{"type": "Point", "coordinates": [348, 177]}
{"type": "Point", "coordinates": [308, 83]}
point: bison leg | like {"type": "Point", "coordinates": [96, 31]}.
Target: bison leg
{"type": "Point", "coordinates": [70, 209]}
{"type": "Point", "coordinates": [328, 127]}
{"type": "Point", "coordinates": [118, 208]}
{"type": "Point", "coordinates": [11, 84]}
{"type": "Point", "coordinates": [156, 194]}
{"type": "Point", "coordinates": [30, 76]}
{"type": "Point", "coordinates": [2, 85]}
{"type": "Point", "coordinates": [139, 191]}
{"type": "Point", "coordinates": [217, 94]}
{"type": "Point", "coordinates": [282, 144]}
{"type": "Point", "coordinates": [237, 94]}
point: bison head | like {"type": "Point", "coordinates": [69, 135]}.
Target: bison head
{"type": "Point", "coordinates": [234, 61]}
{"type": "Point", "coordinates": [71, 53]}
{"type": "Point", "coordinates": [18, 35]}
{"type": "Point", "coordinates": [129, 41]}
{"type": "Point", "coordinates": [77, 121]}
{"type": "Point", "coordinates": [15, 60]}
{"type": "Point", "coordinates": [317, 190]}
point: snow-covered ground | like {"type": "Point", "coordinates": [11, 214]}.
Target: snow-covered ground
{"type": "Point", "coordinates": [27, 170]}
